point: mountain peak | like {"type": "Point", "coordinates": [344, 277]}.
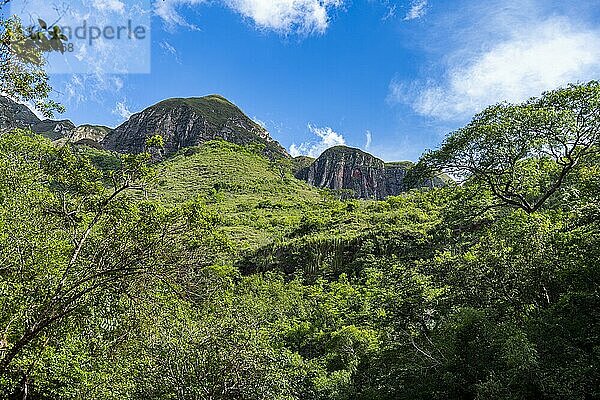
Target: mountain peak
{"type": "Point", "coordinates": [186, 122]}
{"type": "Point", "coordinates": [15, 115]}
{"type": "Point", "coordinates": [348, 168]}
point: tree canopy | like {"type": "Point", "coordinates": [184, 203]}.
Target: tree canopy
{"type": "Point", "coordinates": [523, 153]}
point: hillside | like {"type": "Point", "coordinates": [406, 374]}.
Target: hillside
{"type": "Point", "coordinates": [364, 176]}
{"type": "Point", "coordinates": [244, 187]}
{"type": "Point", "coordinates": [214, 273]}
{"type": "Point", "coordinates": [189, 122]}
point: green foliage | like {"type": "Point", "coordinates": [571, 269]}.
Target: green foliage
{"type": "Point", "coordinates": [155, 141]}
{"type": "Point", "coordinates": [523, 153]}
{"type": "Point", "coordinates": [212, 275]}
{"type": "Point", "coordinates": [22, 61]}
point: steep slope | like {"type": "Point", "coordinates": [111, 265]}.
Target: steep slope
{"type": "Point", "coordinates": [54, 130]}
{"type": "Point", "coordinates": [14, 115]}
{"type": "Point", "coordinates": [301, 162]}
{"type": "Point", "coordinates": [87, 135]}
{"type": "Point", "coordinates": [242, 186]}
{"type": "Point", "coordinates": [346, 168]}
{"type": "Point", "coordinates": [343, 167]}
{"type": "Point", "coordinates": [190, 122]}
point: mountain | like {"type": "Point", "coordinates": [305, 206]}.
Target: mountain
{"type": "Point", "coordinates": [187, 122]}
{"type": "Point", "coordinates": [190, 122]}
{"type": "Point", "coordinates": [346, 168]}
{"type": "Point", "coordinates": [85, 135]}
{"type": "Point", "coordinates": [14, 115]}
{"type": "Point", "coordinates": [54, 130]}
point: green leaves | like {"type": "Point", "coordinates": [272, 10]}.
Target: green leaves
{"type": "Point", "coordinates": [524, 153]}
{"type": "Point", "coordinates": [22, 61]}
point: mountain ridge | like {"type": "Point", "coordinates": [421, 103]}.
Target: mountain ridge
{"type": "Point", "coordinates": [193, 121]}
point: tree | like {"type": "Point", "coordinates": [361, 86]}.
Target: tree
{"type": "Point", "coordinates": [523, 153]}
{"type": "Point", "coordinates": [70, 233]}
{"type": "Point", "coordinates": [22, 61]}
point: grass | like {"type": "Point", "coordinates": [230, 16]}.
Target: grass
{"type": "Point", "coordinates": [256, 204]}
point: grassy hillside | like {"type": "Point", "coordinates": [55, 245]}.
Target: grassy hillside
{"type": "Point", "coordinates": [214, 107]}
{"type": "Point", "coordinates": [257, 204]}
{"type": "Point", "coordinates": [259, 201]}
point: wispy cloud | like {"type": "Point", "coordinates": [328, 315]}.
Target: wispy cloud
{"type": "Point", "coordinates": [122, 110]}
{"type": "Point", "coordinates": [115, 6]}
{"type": "Point", "coordinates": [417, 10]}
{"type": "Point", "coordinates": [80, 88]}
{"type": "Point", "coordinates": [539, 57]}
{"type": "Point", "coordinates": [170, 12]}
{"type": "Point", "coordinates": [282, 16]}
{"type": "Point", "coordinates": [259, 122]}
{"type": "Point", "coordinates": [327, 138]}
{"type": "Point", "coordinates": [369, 140]}
{"type": "Point", "coordinates": [170, 50]}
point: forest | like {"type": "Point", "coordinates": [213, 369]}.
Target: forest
{"type": "Point", "coordinates": [215, 274]}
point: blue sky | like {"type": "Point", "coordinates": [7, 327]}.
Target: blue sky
{"type": "Point", "coordinates": [391, 77]}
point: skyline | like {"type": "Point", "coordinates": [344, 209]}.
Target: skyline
{"type": "Point", "coordinates": [389, 77]}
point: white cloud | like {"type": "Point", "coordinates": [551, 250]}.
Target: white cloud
{"type": "Point", "coordinates": [170, 50]}
{"type": "Point", "coordinates": [538, 58]}
{"type": "Point", "coordinates": [286, 16]}
{"type": "Point", "coordinates": [122, 110]}
{"type": "Point", "coordinates": [283, 16]}
{"type": "Point", "coordinates": [417, 10]}
{"type": "Point", "coordinates": [168, 47]}
{"type": "Point", "coordinates": [115, 6]}
{"type": "Point", "coordinates": [259, 122]}
{"type": "Point", "coordinates": [80, 88]}
{"type": "Point", "coordinates": [327, 138]}
{"type": "Point", "coordinates": [369, 137]}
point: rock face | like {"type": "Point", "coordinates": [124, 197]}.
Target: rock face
{"type": "Point", "coordinates": [344, 168]}
{"type": "Point", "coordinates": [85, 135]}
{"type": "Point", "coordinates": [54, 129]}
{"type": "Point", "coordinates": [190, 122]}
{"type": "Point", "coordinates": [14, 115]}
{"type": "Point", "coordinates": [96, 133]}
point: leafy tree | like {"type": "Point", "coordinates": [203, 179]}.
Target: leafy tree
{"type": "Point", "coordinates": [67, 237]}
{"type": "Point", "coordinates": [523, 153]}
{"type": "Point", "coordinates": [22, 61]}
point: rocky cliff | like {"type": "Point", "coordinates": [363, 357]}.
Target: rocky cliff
{"type": "Point", "coordinates": [18, 116]}
{"type": "Point", "coordinates": [345, 168]}
{"type": "Point", "coordinates": [54, 130]}
{"type": "Point", "coordinates": [14, 115]}
{"type": "Point", "coordinates": [190, 122]}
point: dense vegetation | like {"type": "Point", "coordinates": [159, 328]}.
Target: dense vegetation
{"type": "Point", "coordinates": [214, 274]}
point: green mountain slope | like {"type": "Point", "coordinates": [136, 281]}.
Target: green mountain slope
{"type": "Point", "coordinates": [247, 190]}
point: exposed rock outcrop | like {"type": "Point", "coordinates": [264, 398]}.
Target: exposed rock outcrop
{"type": "Point", "coordinates": [190, 122]}
{"type": "Point", "coordinates": [85, 135]}
{"type": "Point", "coordinates": [18, 116]}
{"type": "Point", "coordinates": [344, 168]}
{"type": "Point", "coordinates": [54, 129]}
{"type": "Point", "coordinates": [14, 115]}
